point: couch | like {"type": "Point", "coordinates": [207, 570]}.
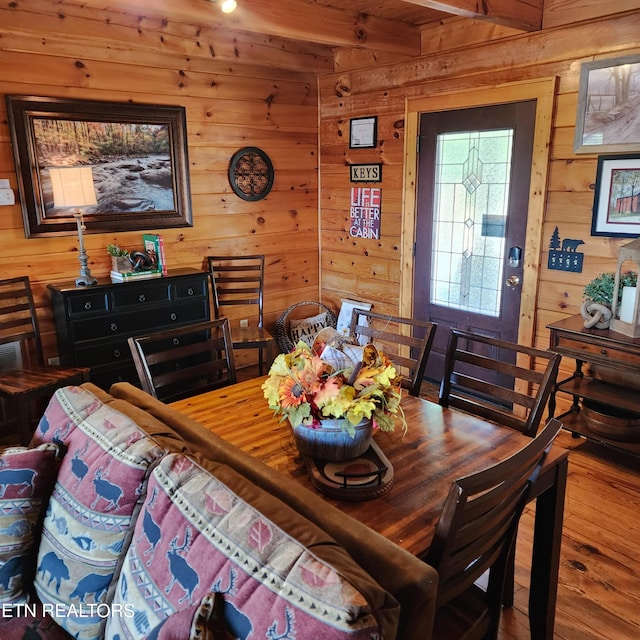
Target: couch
{"type": "Point", "coordinates": [123, 519]}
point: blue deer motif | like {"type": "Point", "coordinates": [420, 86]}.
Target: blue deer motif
{"type": "Point", "coordinates": [150, 529]}
{"type": "Point", "coordinates": [181, 571]}
{"type": "Point", "coordinates": [106, 490]}
{"type": "Point", "coordinates": [237, 622]}
{"type": "Point", "coordinates": [289, 632]}
{"type": "Point", "coordinates": [79, 467]}
{"type": "Point", "coordinates": [17, 477]}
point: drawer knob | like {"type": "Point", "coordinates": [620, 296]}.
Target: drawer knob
{"type": "Point", "coordinates": [176, 341]}
{"type": "Point", "coordinates": [142, 297]}
{"type": "Point", "coordinates": [190, 291]}
{"type": "Point", "coordinates": [113, 326]}
{"type": "Point", "coordinates": [116, 353]}
{"type": "Point", "coordinates": [603, 352]}
{"type": "Point", "coordinates": [174, 316]}
{"type": "Point", "coordinates": [87, 305]}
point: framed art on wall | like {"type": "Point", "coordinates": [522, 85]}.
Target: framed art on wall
{"type": "Point", "coordinates": [137, 153]}
{"type": "Point", "coordinates": [363, 133]}
{"type": "Point", "coordinates": [616, 206]}
{"type": "Point", "coordinates": [608, 118]}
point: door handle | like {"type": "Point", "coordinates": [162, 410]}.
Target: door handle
{"type": "Point", "coordinates": [512, 281]}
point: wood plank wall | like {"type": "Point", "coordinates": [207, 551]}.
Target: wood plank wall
{"type": "Point", "coordinates": [239, 90]}
{"type": "Point", "coordinates": [370, 269]}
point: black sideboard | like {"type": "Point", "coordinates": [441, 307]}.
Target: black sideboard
{"type": "Point", "coordinates": [93, 323]}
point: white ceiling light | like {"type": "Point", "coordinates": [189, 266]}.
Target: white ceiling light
{"type": "Point", "coordinates": [228, 6]}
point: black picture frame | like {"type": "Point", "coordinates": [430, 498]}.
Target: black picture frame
{"type": "Point", "coordinates": [363, 133]}
{"type": "Point", "coordinates": [616, 203]}
{"type": "Point", "coordinates": [608, 106]}
{"type": "Point", "coordinates": [136, 149]}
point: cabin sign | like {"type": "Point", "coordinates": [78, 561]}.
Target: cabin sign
{"type": "Point", "coordinates": [364, 215]}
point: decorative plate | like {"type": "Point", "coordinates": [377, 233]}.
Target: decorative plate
{"type": "Point", "coordinates": [251, 173]}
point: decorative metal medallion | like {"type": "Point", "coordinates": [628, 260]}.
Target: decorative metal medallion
{"type": "Point", "coordinates": [250, 173]}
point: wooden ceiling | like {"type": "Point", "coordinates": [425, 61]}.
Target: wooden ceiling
{"type": "Point", "coordinates": [383, 25]}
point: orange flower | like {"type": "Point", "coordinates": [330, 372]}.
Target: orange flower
{"type": "Point", "coordinates": [291, 394]}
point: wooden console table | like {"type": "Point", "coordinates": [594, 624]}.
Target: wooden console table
{"type": "Point", "coordinates": [611, 379]}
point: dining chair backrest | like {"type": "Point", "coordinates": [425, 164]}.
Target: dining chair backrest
{"type": "Point", "coordinates": [237, 281]}
{"type": "Point", "coordinates": [405, 341]}
{"type": "Point", "coordinates": [23, 397]}
{"type": "Point", "coordinates": [18, 319]}
{"type": "Point", "coordinates": [476, 533]}
{"type": "Point", "coordinates": [181, 362]}
{"type": "Point", "coordinates": [498, 380]}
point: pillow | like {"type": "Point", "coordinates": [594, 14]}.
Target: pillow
{"type": "Point", "coordinates": [95, 499]}
{"type": "Point", "coordinates": [203, 621]}
{"type": "Point", "coordinates": [27, 477]}
{"type": "Point", "coordinates": [194, 535]}
{"type": "Point", "coordinates": [306, 329]}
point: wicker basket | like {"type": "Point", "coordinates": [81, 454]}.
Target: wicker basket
{"type": "Point", "coordinates": [282, 335]}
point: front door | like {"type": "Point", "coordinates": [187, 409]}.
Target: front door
{"type": "Point", "coordinates": [474, 169]}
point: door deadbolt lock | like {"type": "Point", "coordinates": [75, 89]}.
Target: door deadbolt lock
{"type": "Point", "coordinates": [512, 281]}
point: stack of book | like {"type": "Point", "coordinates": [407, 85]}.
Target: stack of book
{"type": "Point", "coordinates": [154, 248]}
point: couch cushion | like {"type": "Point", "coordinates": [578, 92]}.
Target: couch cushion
{"type": "Point", "coordinates": [195, 535]}
{"type": "Point", "coordinates": [26, 482]}
{"type": "Point", "coordinates": [95, 498]}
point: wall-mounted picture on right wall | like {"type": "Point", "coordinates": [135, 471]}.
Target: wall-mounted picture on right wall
{"type": "Point", "coordinates": [616, 204]}
{"type": "Point", "coordinates": [608, 117]}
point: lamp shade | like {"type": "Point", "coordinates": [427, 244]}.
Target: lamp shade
{"type": "Point", "coordinates": [72, 186]}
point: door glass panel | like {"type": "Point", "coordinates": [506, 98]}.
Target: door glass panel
{"type": "Point", "coordinates": [471, 197]}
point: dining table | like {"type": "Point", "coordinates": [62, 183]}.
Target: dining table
{"type": "Point", "coordinates": [440, 445]}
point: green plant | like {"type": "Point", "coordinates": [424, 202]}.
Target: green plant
{"type": "Point", "coordinates": [116, 251]}
{"type": "Point", "coordinates": [600, 289]}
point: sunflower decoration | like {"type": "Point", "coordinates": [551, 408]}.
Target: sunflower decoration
{"type": "Point", "coordinates": [345, 381]}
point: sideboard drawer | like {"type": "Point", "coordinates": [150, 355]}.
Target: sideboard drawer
{"type": "Point", "coordinates": [111, 352]}
{"type": "Point", "coordinates": [192, 287]}
{"type": "Point", "coordinates": [600, 353]}
{"type": "Point", "coordinates": [93, 323]}
{"type": "Point", "coordinates": [128, 296]}
{"type": "Point", "coordinates": [87, 303]}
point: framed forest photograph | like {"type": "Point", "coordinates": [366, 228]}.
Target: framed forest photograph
{"type": "Point", "coordinates": [608, 118]}
{"type": "Point", "coordinates": [137, 154]}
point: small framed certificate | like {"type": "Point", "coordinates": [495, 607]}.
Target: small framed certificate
{"type": "Point", "coordinates": [363, 133]}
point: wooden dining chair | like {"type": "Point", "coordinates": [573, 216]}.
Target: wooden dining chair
{"type": "Point", "coordinates": [405, 341]}
{"type": "Point", "coordinates": [500, 381]}
{"type": "Point", "coordinates": [26, 382]}
{"type": "Point", "coordinates": [181, 362]}
{"type": "Point", "coordinates": [476, 534]}
{"type": "Point", "coordinates": [238, 281]}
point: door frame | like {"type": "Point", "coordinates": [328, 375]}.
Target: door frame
{"type": "Point", "coordinates": [543, 90]}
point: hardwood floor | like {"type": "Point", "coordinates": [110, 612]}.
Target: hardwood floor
{"type": "Point", "coordinates": [599, 581]}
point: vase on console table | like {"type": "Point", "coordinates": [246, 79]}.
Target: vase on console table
{"type": "Point", "coordinates": [331, 441]}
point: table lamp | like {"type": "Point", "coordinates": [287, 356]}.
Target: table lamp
{"type": "Point", "coordinates": [73, 187]}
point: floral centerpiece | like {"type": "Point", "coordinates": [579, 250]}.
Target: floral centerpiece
{"type": "Point", "coordinates": [312, 384]}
